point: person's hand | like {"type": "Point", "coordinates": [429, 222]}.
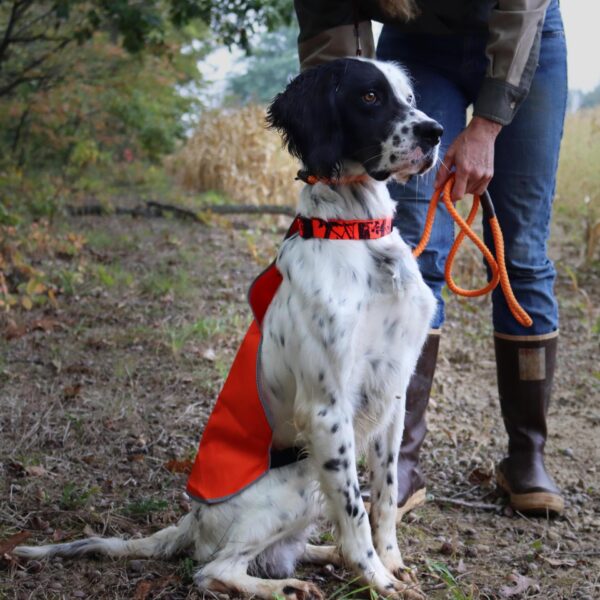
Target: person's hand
{"type": "Point", "coordinates": [472, 156]}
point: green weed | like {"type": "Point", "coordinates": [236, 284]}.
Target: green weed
{"type": "Point", "coordinates": [145, 507]}
{"type": "Point", "coordinates": [113, 276]}
{"type": "Point", "coordinates": [345, 591]}
{"type": "Point", "coordinates": [199, 330]}
{"type": "Point", "coordinates": [73, 498]}
{"type": "Point", "coordinates": [100, 239]}
{"type": "Point", "coordinates": [186, 569]}
{"type": "Point", "coordinates": [162, 282]}
{"type": "Point", "coordinates": [444, 573]}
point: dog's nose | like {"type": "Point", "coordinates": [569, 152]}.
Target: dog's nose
{"type": "Point", "coordinates": [428, 131]}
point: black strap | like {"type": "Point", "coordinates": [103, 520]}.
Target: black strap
{"type": "Point", "coordinates": [487, 205]}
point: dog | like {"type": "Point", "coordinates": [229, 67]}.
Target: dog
{"type": "Point", "coordinates": [340, 341]}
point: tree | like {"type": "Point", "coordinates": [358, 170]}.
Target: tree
{"type": "Point", "coordinates": [33, 34]}
{"type": "Point", "coordinates": [273, 62]}
{"type": "Point", "coordinates": [89, 78]}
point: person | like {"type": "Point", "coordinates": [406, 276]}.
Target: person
{"type": "Point", "coordinates": [506, 58]}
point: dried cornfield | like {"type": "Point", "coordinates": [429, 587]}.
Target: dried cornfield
{"type": "Point", "coordinates": [233, 152]}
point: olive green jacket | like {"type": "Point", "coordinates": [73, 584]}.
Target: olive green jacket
{"type": "Point", "coordinates": [327, 31]}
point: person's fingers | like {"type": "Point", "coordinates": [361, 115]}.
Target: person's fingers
{"type": "Point", "coordinates": [479, 180]}
{"type": "Point", "coordinates": [460, 184]}
{"type": "Point", "coordinates": [480, 186]}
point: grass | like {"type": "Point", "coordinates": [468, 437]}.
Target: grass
{"type": "Point", "coordinates": [455, 591]}
{"type": "Point", "coordinates": [143, 508]}
{"type": "Point", "coordinates": [578, 180]}
{"type": "Point", "coordinates": [200, 330]}
{"type": "Point", "coordinates": [114, 275]}
{"type": "Point", "coordinates": [165, 280]}
{"type": "Point", "coordinates": [233, 153]}
{"type": "Point", "coordinates": [101, 240]}
{"type": "Point", "coordinates": [72, 498]}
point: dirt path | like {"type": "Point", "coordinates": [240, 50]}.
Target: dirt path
{"type": "Point", "coordinates": [123, 377]}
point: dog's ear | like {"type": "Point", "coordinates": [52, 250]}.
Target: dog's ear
{"type": "Point", "coordinates": [305, 114]}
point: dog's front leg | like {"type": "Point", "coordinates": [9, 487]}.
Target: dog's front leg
{"type": "Point", "coordinates": [383, 464]}
{"type": "Point", "coordinates": [332, 447]}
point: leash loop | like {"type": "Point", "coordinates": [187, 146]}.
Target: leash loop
{"type": "Point", "coordinates": [497, 265]}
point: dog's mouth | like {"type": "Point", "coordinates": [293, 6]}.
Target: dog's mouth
{"type": "Point", "coordinates": [418, 163]}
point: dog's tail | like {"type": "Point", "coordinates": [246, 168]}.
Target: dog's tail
{"type": "Point", "coordinates": [163, 544]}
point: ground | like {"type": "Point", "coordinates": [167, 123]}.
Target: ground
{"type": "Point", "coordinates": [101, 397]}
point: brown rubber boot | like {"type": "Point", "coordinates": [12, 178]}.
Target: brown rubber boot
{"type": "Point", "coordinates": [411, 485]}
{"type": "Point", "coordinates": [525, 372]}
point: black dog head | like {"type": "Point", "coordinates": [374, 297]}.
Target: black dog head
{"type": "Point", "coordinates": [355, 110]}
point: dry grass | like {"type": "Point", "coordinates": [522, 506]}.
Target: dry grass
{"type": "Point", "coordinates": [579, 168]}
{"type": "Point", "coordinates": [232, 152]}
{"type": "Point", "coordinates": [578, 186]}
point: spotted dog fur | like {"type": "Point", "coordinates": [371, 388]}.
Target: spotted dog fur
{"type": "Point", "coordinates": [340, 342]}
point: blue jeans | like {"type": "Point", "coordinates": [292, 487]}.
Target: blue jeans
{"type": "Point", "coordinates": [447, 72]}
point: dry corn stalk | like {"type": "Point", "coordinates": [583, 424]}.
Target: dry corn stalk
{"type": "Point", "coordinates": [233, 152]}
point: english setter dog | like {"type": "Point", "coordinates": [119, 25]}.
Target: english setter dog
{"type": "Point", "coordinates": [340, 341]}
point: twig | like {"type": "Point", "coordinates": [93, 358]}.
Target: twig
{"type": "Point", "coordinates": [576, 553]}
{"type": "Point", "coordinates": [466, 504]}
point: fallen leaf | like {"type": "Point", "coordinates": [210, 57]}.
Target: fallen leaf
{"type": "Point", "coordinates": [9, 544]}
{"type": "Point", "coordinates": [52, 298]}
{"type": "Point", "coordinates": [36, 471]}
{"type": "Point", "coordinates": [521, 585]}
{"type": "Point", "coordinates": [179, 466]}
{"type": "Point", "coordinates": [44, 324]}
{"type": "Point", "coordinates": [137, 457]}
{"type": "Point", "coordinates": [479, 476]}
{"type": "Point", "coordinates": [59, 535]}
{"type": "Point", "coordinates": [71, 392]}
{"type": "Point", "coordinates": [12, 331]}
{"type": "Point", "coordinates": [145, 588]}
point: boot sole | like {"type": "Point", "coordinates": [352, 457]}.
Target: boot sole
{"type": "Point", "coordinates": [414, 501]}
{"type": "Point", "coordinates": [532, 503]}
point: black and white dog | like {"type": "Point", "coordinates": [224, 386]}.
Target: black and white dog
{"type": "Point", "coordinates": [340, 341]}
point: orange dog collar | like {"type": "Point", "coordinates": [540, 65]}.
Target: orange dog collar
{"type": "Point", "coordinates": [367, 229]}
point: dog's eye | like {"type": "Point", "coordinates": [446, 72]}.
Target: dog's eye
{"type": "Point", "coordinates": [410, 99]}
{"type": "Point", "coordinates": [370, 97]}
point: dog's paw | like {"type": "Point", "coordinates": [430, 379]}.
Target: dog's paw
{"type": "Point", "coordinates": [301, 590]}
{"type": "Point", "coordinates": [396, 565]}
{"type": "Point", "coordinates": [397, 589]}
{"type": "Point", "coordinates": [392, 560]}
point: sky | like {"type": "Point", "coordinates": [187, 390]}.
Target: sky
{"type": "Point", "coordinates": [581, 18]}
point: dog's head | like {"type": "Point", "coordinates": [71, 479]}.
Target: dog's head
{"type": "Point", "coordinates": [356, 110]}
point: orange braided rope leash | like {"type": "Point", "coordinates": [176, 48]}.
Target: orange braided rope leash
{"type": "Point", "coordinates": [497, 265]}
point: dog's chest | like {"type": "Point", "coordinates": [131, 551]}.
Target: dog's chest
{"type": "Point", "coordinates": [347, 322]}
{"type": "Point", "coordinates": [354, 300]}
